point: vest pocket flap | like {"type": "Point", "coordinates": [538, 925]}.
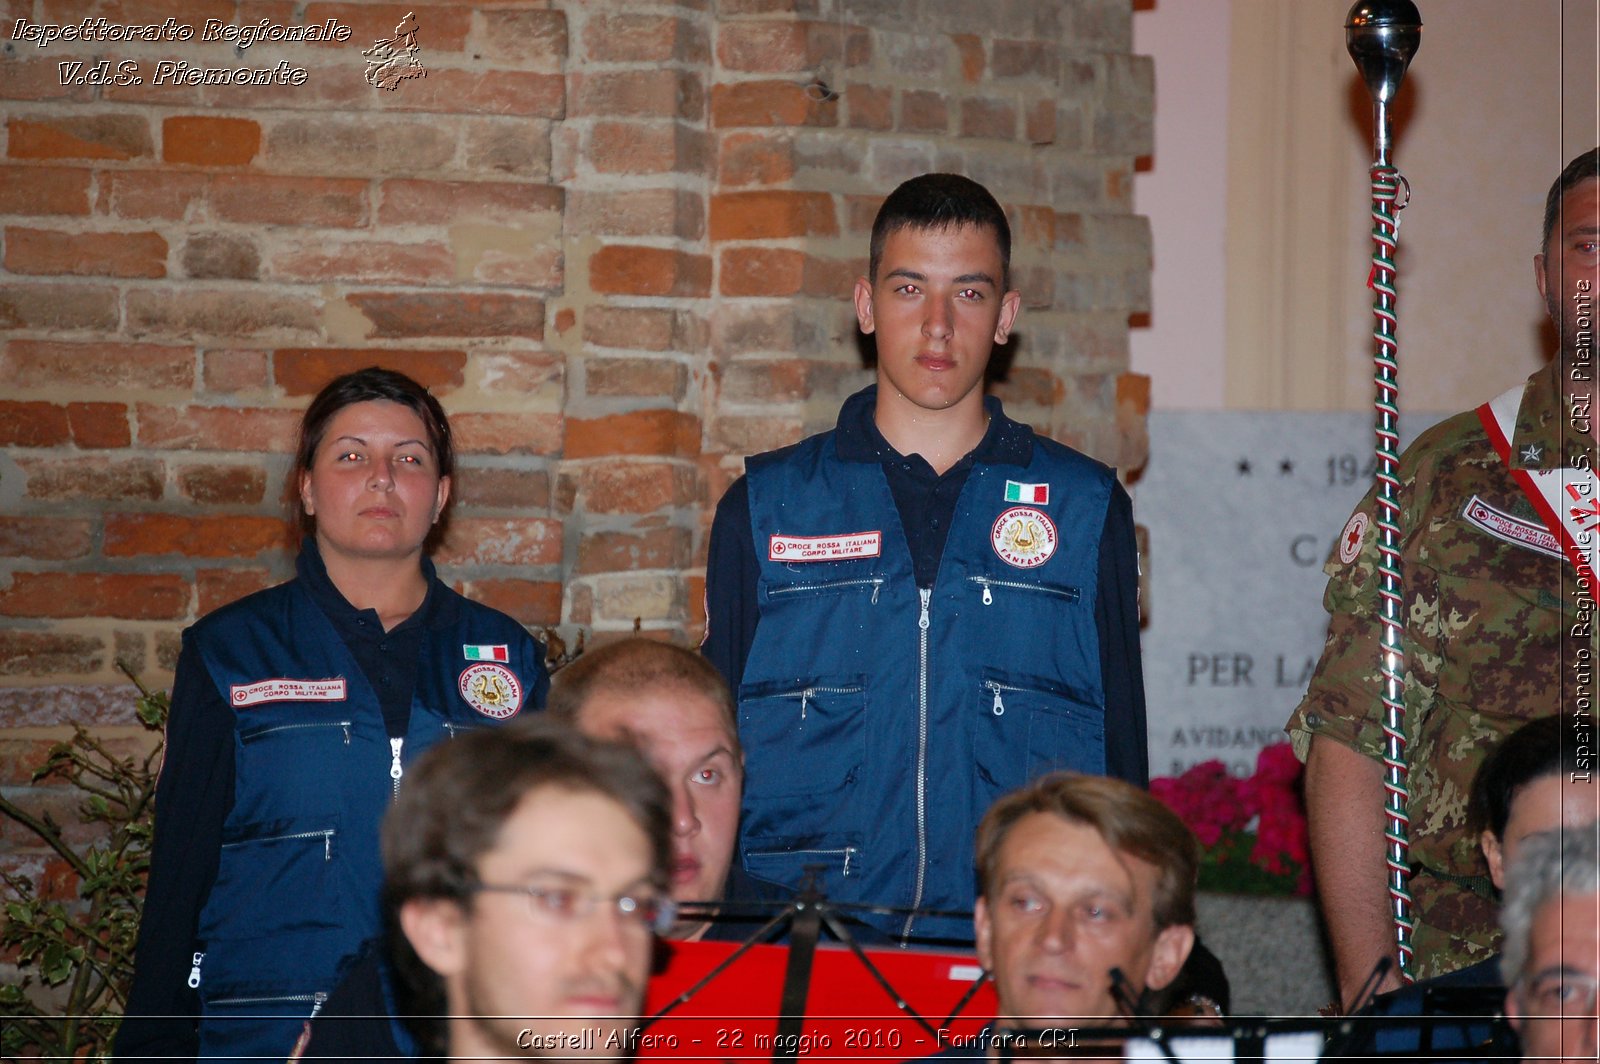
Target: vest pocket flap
{"type": "Point", "coordinates": [787, 861]}
{"type": "Point", "coordinates": [802, 736]}
{"type": "Point", "coordinates": [274, 878]}
{"type": "Point", "coordinates": [1027, 726]}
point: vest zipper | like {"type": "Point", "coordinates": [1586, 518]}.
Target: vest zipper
{"type": "Point", "coordinates": [808, 693]}
{"type": "Point", "coordinates": [877, 583]}
{"type": "Point", "coordinates": [395, 771]}
{"type": "Point", "coordinates": [317, 999]}
{"type": "Point", "coordinates": [194, 972]}
{"type": "Point", "coordinates": [985, 582]}
{"type": "Point", "coordinates": [327, 844]}
{"type": "Point", "coordinates": [342, 725]}
{"type": "Point", "coordinates": [848, 852]}
{"type": "Point", "coordinates": [926, 595]}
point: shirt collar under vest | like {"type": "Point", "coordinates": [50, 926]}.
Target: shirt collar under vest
{"type": "Point", "coordinates": [858, 439]}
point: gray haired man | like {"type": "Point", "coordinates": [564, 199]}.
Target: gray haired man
{"type": "Point", "coordinates": [1551, 962]}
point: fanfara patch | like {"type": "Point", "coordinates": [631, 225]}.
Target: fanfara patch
{"type": "Point", "coordinates": [1024, 537]}
{"type": "Point", "coordinates": [824, 548]}
{"type": "Point", "coordinates": [244, 695]}
{"type": "Point", "coordinates": [1355, 530]}
{"type": "Point", "coordinates": [492, 690]}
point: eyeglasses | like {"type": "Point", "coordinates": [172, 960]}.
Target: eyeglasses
{"type": "Point", "coordinates": [567, 904]}
{"type": "Point", "coordinates": [1566, 995]}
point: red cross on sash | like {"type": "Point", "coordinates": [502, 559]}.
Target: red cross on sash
{"type": "Point", "coordinates": [1567, 500]}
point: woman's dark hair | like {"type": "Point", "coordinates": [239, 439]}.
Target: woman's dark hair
{"type": "Point", "coordinates": [365, 386]}
{"type": "Point", "coordinates": [1543, 747]}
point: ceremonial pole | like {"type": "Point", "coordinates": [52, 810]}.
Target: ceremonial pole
{"type": "Point", "coordinates": [1382, 36]}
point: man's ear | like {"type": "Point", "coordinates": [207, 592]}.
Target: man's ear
{"type": "Point", "coordinates": [436, 929]}
{"type": "Point", "coordinates": [1167, 958]}
{"type": "Point", "coordinates": [1513, 1010]}
{"type": "Point", "coordinates": [1495, 855]}
{"type": "Point", "coordinates": [1538, 277]}
{"type": "Point", "coordinates": [1010, 306]}
{"type": "Point", "coordinates": [984, 934]}
{"type": "Point", "coordinates": [864, 305]}
{"type": "Point", "coordinates": [305, 494]}
{"type": "Point", "coordinates": [441, 498]}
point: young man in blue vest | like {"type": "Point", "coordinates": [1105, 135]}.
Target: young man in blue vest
{"type": "Point", "coordinates": [927, 606]}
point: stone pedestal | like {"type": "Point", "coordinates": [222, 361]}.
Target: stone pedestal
{"type": "Point", "coordinates": [1274, 951]}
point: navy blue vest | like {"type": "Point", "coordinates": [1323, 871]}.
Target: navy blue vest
{"type": "Point", "coordinates": [879, 721]}
{"type": "Point", "coordinates": [299, 874]}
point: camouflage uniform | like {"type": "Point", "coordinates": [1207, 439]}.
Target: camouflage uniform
{"type": "Point", "coordinates": [1487, 641]}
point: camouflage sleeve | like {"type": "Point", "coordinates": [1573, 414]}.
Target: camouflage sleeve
{"type": "Point", "coordinates": [1343, 701]}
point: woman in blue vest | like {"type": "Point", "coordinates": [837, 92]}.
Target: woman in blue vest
{"type": "Point", "coordinates": [295, 712]}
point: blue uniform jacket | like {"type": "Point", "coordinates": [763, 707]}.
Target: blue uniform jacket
{"type": "Point", "coordinates": [880, 720]}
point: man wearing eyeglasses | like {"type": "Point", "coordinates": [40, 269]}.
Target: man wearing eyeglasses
{"type": "Point", "coordinates": [1551, 961]}
{"type": "Point", "coordinates": [527, 873]}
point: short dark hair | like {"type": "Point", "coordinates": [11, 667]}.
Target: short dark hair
{"type": "Point", "coordinates": [940, 201]}
{"type": "Point", "coordinates": [1127, 818]}
{"type": "Point", "coordinates": [1540, 748]}
{"type": "Point", "coordinates": [1580, 169]}
{"type": "Point", "coordinates": [637, 664]}
{"type": "Point", "coordinates": [364, 386]}
{"type": "Point", "coordinates": [453, 804]}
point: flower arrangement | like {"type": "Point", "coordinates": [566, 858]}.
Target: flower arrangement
{"type": "Point", "coordinates": [1252, 832]}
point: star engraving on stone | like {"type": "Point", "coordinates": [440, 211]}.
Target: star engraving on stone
{"type": "Point", "coordinates": [1532, 454]}
{"type": "Point", "coordinates": [1286, 468]}
{"type": "Point", "coordinates": [1244, 467]}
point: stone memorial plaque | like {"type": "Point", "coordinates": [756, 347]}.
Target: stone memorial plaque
{"type": "Point", "coordinates": [1242, 509]}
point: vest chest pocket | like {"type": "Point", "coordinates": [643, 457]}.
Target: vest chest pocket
{"type": "Point", "coordinates": [804, 743]}
{"type": "Point", "coordinates": [1027, 726]}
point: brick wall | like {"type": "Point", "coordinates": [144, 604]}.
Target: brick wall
{"type": "Point", "coordinates": [615, 237]}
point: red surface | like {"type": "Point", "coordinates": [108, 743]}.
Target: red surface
{"type": "Point", "coordinates": [849, 1015]}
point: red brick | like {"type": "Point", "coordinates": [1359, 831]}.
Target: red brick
{"type": "Point", "coordinates": [500, 541]}
{"type": "Point", "coordinates": [988, 118]}
{"type": "Point", "coordinates": [1039, 387]}
{"type": "Point", "coordinates": [130, 596]}
{"type": "Point", "coordinates": [206, 141]}
{"type": "Point", "coordinates": [753, 435]}
{"type": "Point", "coordinates": [319, 258]}
{"type": "Point", "coordinates": [304, 370]}
{"type": "Point", "coordinates": [58, 306]}
{"type": "Point", "coordinates": [771, 215]}
{"type": "Point", "coordinates": [217, 428]}
{"type": "Point", "coordinates": [43, 364]}
{"type": "Point", "coordinates": [99, 425]}
{"type": "Point", "coordinates": [767, 47]}
{"type": "Point", "coordinates": [830, 278]}
{"type": "Point", "coordinates": [151, 193]}
{"type": "Point", "coordinates": [191, 311]}
{"type": "Point", "coordinates": [970, 47]}
{"type": "Point", "coordinates": [233, 535]}
{"type": "Point", "coordinates": [646, 148]}
{"type": "Point", "coordinates": [506, 433]}
{"type": "Point", "coordinates": [621, 269]}
{"type": "Point", "coordinates": [647, 432]}
{"type": "Point", "coordinates": [25, 424]}
{"type": "Point", "coordinates": [769, 103]}
{"type": "Point", "coordinates": [43, 190]}
{"type": "Point", "coordinates": [755, 159]}
{"type": "Point", "coordinates": [1017, 59]}
{"type": "Point", "coordinates": [500, 489]}
{"type": "Point", "coordinates": [439, 28]}
{"type": "Point", "coordinates": [757, 271]}
{"type": "Point", "coordinates": [518, 371]}
{"type": "Point", "coordinates": [638, 212]}
{"type": "Point", "coordinates": [352, 143]}
{"type": "Point", "coordinates": [638, 38]}
{"type": "Point", "coordinates": [50, 77]}
{"type": "Point", "coordinates": [623, 552]}
{"type": "Point", "coordinates": [659, 93]}
{"type": "Point", "coordinates": [21, 758]}
{"type": "Point", "coordinates": [96, 136]}
{"type": "Point", "coordinates": [97, 254]}
{"type": "Point", "coordinates": [767, 381]}
{"type": "Point", "coordinates": [924, 111]}
{"type": "Point", "coordinates": [522, 38]}
{"type": "Point", "coordinates": [656, 377]}
{"type": "Point", "coordinates": [483, 92]}
{"type": "Point", "coordinates": [502, 145]}
{"type": "Point", "coordinates": [530, 602]}
{"type": "Point", "coordinates": [640, 328]}
{"type": "Point", "coordinates": [326, 202]}
{"type": "Point", "coordinates": [218, 587]}
{"type": "Point", "coordinates": [404, 202]}
{"type": "Point", "coordinates": [234, 371]}
{"type": "Point", "coordinates": [50, 538]}
{"type": "Point", "coordinates": [224, 484]}
{"type": "Point", "coordinates": [233, 256]}
{"type": "Point", "coordinates": [869, 107]}
{"type": "Point", "coordinates": [399, 314]}
{"type": "Point", "coordinates": [49, 653]}
{"type": "Point", "coordinates": [635, 487]}
{"type": "Point", "coordinates": [92, 478]}
{"type": "Point", "coordinates": [1039, 123]}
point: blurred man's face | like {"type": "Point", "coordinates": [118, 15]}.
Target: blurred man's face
{"type": "Point", "coordinates": [557, 973]}
{"type": "Point", "coordinates": [1064, 909]}
{"type": "Point", "coordinates": [1544, 804]}
{"type": "Point", "coordinates": [1568, 272]}
{"type": "Point", "coordinates": [1553, 1007]}
{"type": "Point", "coordinates": [685, 735]}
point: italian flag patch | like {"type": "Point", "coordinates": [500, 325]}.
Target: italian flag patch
{"type": "Point", "coordinates": [486, 652]}
{"type": "Point", "coordinates": [1038, 494]}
